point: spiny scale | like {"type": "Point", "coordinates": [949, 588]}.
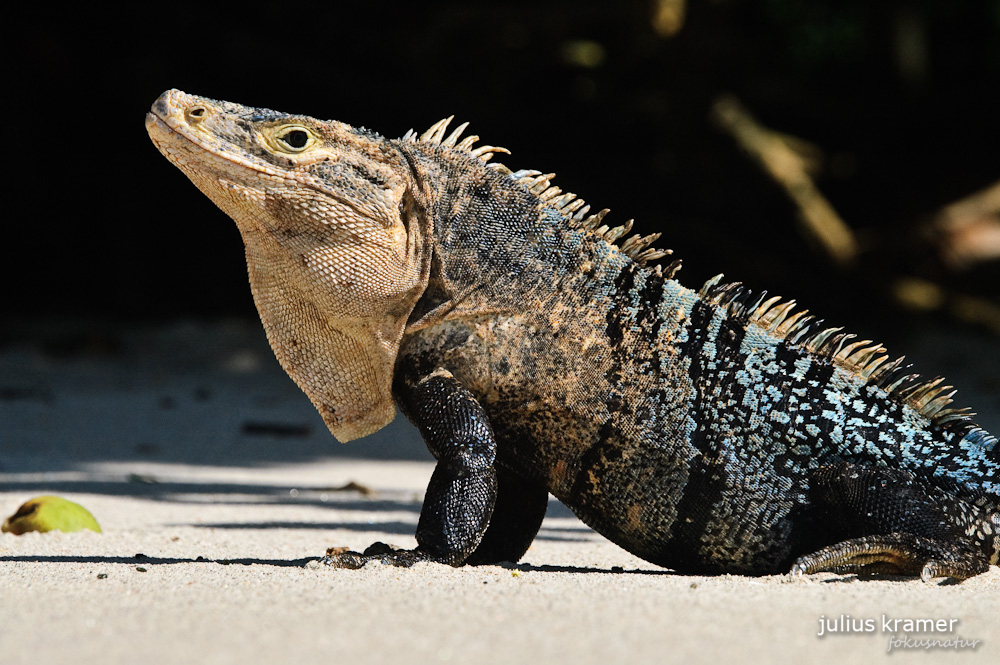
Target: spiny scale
{"type": "Point", "coordinates": [573, 208]}
{"type": "Point", "coordinates": [865, 358]}
{"type": "Point", "coordinates": [435, 134]}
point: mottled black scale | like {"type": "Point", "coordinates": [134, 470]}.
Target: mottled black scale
{"type": "Point", "coordinates": [878, 501]}
{"type": "Point", "coordinates": [691, 544]}
{"type": "Point", "coordinates": [619, 497]}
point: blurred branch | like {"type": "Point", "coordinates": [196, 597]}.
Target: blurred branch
{"type": "Point", "coordinates": [790, 169]}
{"type": "Point", "coordinates": [967, 232]}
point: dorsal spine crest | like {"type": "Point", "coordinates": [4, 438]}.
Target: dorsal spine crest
{"type": "Point", "coordinates": [865, 358]}
{"type": "Point", "coordinates": [572, 208]}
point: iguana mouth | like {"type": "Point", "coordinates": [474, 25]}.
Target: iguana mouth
{"type": "Point", "coordinates": [168, 129]}
{"type": "Point", "coordinates": [169, 126]}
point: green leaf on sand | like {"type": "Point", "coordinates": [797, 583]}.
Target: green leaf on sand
{"type": "Point", "coordinates": [50, 513]}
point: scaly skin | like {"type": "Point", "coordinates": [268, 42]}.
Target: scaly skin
{"type": "Point", "coordinates": [708, 431]}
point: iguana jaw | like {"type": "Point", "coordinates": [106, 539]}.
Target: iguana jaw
{"type": "Point", "coordinates": [336, 261]}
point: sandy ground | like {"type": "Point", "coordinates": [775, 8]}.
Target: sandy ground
{"type": "Point", "coordinates": [218, 489]}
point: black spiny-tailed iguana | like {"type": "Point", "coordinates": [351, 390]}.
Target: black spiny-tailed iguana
{"type": "Point", "coordinates": [707, 431]}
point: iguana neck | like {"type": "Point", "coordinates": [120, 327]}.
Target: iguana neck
{"type": "Point", "coordinates": [494, 244]}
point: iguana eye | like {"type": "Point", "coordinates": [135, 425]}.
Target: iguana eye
{"type": "Point", "coordinates": [294, 139]}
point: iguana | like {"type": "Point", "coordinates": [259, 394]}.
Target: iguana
{"type": "Point", "coordinates": [709, 431]}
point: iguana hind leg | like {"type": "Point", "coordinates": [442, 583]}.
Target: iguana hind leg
{"type": "Point", "coordinates": [891, 521]}
{"type": "Point", "coordinates": [894, 554]}
{"type": "Point", "coordinates": [517, 516]}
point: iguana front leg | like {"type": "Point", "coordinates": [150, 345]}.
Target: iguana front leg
{"type": "Point", "coordinates": [463, 488]}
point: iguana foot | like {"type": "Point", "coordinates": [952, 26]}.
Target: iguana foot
{"type": "Point", "coordinates": [386, 554]}
{"type": "Point", "coordinates": [894, 554]}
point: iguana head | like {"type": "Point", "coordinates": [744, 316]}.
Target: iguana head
{"type": "Point", "coordinates": [334, 241]}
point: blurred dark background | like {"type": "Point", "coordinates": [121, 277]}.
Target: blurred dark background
{"type": "Point", "coordinates": [127, 330]}
{"type": "Point", "coordinates": [897, 100]}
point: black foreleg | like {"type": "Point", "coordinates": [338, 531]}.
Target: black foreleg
{"type": "Point", "coordinates": [462, 491]}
